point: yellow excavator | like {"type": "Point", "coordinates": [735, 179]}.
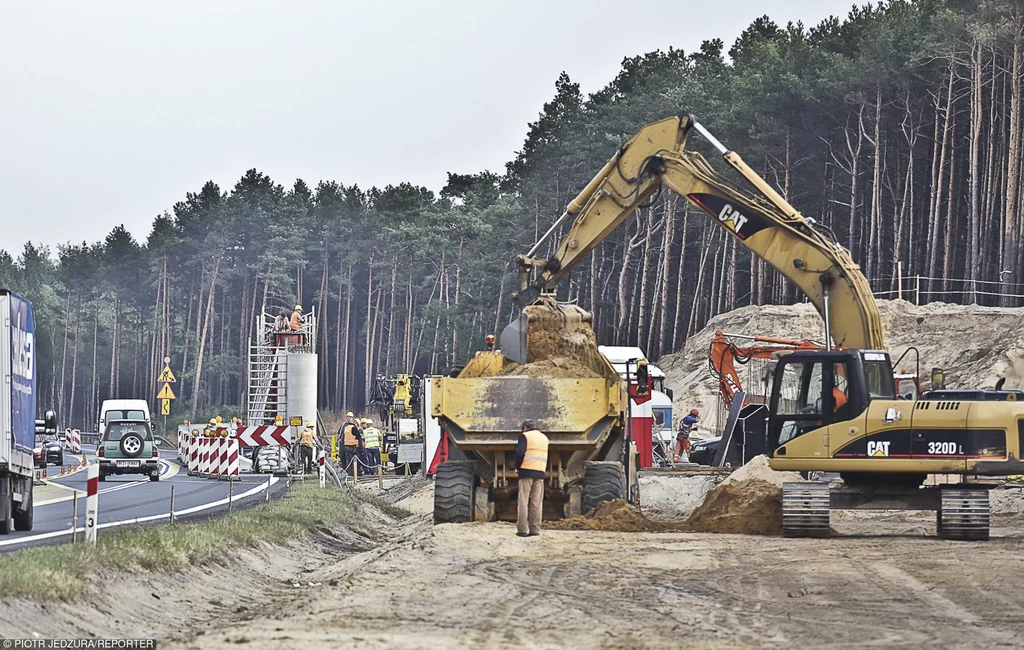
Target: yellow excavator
{"type": "Point", "coordinates": [832, 410]}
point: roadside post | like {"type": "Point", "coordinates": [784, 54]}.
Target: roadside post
{"type": "Point", "coordinates": [380, 476]}
{"type": "Point", "coordinates": [172, 505]}
{"type": "Point", "coordinates": [92, 503]}
{"type": "Point", "coordinates": [74, 518]}
{"type": "Point", "coordinates": [231, 494]}
{"type": "Point", "coordinates": [322, 468]}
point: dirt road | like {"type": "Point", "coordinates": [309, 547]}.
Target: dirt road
{"type": "Point", "coordinates": [884, 580]}
{"type": "Point", "coordinates": [478, 585]}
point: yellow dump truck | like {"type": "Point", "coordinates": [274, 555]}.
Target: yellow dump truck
{"type": "Point", "coordinates": [570, 392]}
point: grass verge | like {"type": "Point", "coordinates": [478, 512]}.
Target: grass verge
{"type": "Point", "coordinates": [390, 509]}
{"type": "Point", "coordinates": [63, 572]}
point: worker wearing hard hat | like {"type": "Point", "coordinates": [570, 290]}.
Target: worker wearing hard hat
{"type": "Point", "coordinates": [306, 443]}
{"type": "Point", "coordinates": [683, 444]}
{"type": "Point", "coordinates": [297, 320]}
{"type": "Point", "coordinates": [371, 445]}
{"type": "Point", "coordinates": [351, 437]}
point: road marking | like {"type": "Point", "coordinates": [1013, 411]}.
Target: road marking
{"type": "Point", "coordinates": [167, 470]}
{"type": "Point", "coordinates": [138, 520]}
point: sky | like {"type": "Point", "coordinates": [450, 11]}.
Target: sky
{"type": "Point", "coordinates": [111, 111]}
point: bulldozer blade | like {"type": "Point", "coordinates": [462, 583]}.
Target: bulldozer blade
{"type": "Point", "coordinates": [513, 340]}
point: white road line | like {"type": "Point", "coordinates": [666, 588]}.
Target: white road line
{"type": "Point", "coordinates": [139, 520]}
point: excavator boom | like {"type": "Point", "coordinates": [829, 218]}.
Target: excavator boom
{"type": "Point", "coordinates": [761, 220]}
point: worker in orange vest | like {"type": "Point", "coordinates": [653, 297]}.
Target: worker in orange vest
{"type": "Point", "coordinates": [297, 320]}
{"type": "Point", "coordinates": [532, 465]}
{"type": "Point", "coordinates": [351, 437]}
{"type": "Point", "coordinates": [306, 448]}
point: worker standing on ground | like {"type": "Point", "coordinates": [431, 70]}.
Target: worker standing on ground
{"type": "Point", "coordinates": [683, 443]}
{"type": "Point", "coordinates": [297, 320]}
{"type": "Point", "coordinates": [350, 436]}
{"type": "Point", "coordinates": [532, 465]}
{"type": "Point", "coordinates": [306, 442]}
{"type": "Point", "coordinates": [371, 445]}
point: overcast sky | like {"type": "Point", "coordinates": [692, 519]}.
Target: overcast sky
{"type": "Point", "coordinates": [112, 111]}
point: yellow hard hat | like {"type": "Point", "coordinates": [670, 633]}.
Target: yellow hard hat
{"type": "Point", "coordinates": [309, 424]}
{"type": "Point", "coordinates": [298, 307]}
{"type": "Point", "coordinates": [349, 414]}
{"type": "Point", "coordinates": [213, 420]}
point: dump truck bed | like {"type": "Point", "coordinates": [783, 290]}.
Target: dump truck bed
{"type": "Point", "coordinates": [487, 412]}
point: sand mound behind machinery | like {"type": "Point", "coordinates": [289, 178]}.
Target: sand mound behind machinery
{"type": "Point", "coordinates": [616, 515]}
{"type": "Point", "coordinates": [747, 507]}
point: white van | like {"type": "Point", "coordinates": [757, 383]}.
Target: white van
{"type": "Point", "coordinates": [123, 409]}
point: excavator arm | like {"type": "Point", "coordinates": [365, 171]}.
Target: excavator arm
{"type": "Point", "coordinates": [761, 220]}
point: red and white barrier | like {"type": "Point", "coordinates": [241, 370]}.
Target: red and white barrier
{"type": "Point", "coordinates": [73, 441]}
{"type": "Point", "coordinates": [264, 436]}
{"type": "Point", "coordinates": [213, 457]}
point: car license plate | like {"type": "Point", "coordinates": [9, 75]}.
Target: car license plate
{"type": "Point", "coordinates": [127, 463]}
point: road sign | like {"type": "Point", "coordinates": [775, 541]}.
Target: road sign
{"type": "Point", "coordinates": [296, 421]}
{"type": "Point", "coordinates": [167, 360]}
{"type": "Point", "coordinates": [166, 393]}
{"type": "Point", "coordinates": [263, 436]}
{"type": "Point", "coordinates": [166, 375]}
{"type": "Point", "coordinates": [165, 407]}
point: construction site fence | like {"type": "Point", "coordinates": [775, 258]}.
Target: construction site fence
{"type": "Point", "coordinates": [923, 289]}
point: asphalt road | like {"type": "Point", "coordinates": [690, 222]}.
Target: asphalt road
{"type": "Point", "coordinates": [132, 499]}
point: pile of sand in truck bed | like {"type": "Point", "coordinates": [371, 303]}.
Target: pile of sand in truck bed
{"type": "Point", "coordinates": [557, 367]}
{"type": "Point", "coordinates": [616, 515]}
{"type": "Point", "coordinates": [556, 348]}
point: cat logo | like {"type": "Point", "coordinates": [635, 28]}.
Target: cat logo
{"type": "Point", "coordinates": [732, 218]}
{"type": "Point", "coordinates": [878, 448]}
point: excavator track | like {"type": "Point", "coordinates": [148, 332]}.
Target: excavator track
{"type": "Point", "coordinates": [963, 514]}
{"type": "Point", "coordinates": [805, 510]}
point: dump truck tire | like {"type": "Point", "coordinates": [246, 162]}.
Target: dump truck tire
{"type": "Point", "coordinates": [603, 481]}
{"type": "Point", "coordinates": [453, 492]}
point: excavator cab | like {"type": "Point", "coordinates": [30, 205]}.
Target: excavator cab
{"type": "Point", "coordinates": [816, 389]}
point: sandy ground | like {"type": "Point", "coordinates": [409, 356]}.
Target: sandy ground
{"type": "Point", "coordinates": [884, 580]}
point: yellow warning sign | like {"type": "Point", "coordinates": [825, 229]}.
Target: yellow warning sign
{"type": "Point", "coordinates": [166, 376]}
{"type": "Point", "coordinates": [166, 393]}
{"type": "Point", "coordinates": [296, 421]}
{"type": "Point", "coordinates": [165, 407]}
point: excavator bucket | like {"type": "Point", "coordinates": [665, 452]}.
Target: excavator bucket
{"type": "Point", "coordinates": [513, 341]}
{"type": "Point", "coordinates": [542, 331]}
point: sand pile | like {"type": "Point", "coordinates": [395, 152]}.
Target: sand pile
{"type": "Point", "coordinates": [989, 345]}
{"type": "Point", "coordinates": [617, 516]}
{"type": "Point", "coordinates": [556, 367]}
{"type": "Point", "coordinates": [758, 469]}
{"type": "Point", "coordinates": [747, 507]}
{"type": "Point", "coordinates": [557, 347]}
{"type": "Point", "coordinates": [672, 496]}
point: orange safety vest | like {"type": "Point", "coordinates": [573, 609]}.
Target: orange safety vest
{"type": "Point", "coordinates": [307, 438]}
{"type": "Point", "coordinates": [349, 430]}
{"type": "Point", "coordinates": [536, 456]}
{"type": "Point", "coordinates": [296, 324]}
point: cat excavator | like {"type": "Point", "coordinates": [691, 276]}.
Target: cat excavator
{"type": "Point", "coordinates": [834, 409]}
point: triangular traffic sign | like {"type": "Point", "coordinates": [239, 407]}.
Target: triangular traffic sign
{"type": "Point", "coordinates": [166, 393]}
{"type": "Point", "coordinates": [166, 375]}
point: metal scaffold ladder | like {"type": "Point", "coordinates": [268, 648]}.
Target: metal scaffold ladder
{"type": "Point", "coordinates": [267, 371]}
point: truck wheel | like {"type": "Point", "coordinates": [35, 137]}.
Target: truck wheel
{"type": "Point", "coordinates": [603, 481]}
{"type": "Point", "coordinates": [23, 519]}
{"type": "Point", "coordinates": [6, 507]}
{"type": "Point", "coordinates": [453, 492]}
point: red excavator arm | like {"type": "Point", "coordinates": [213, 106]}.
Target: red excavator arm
{"type": "Point", "coordinates": [725, 354]}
